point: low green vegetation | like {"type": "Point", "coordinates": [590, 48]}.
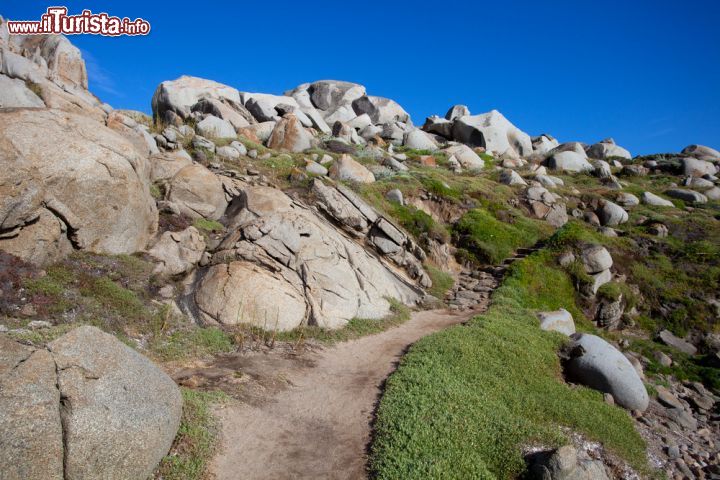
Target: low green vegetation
{"type": "Point", "coordinates": [441, 281]}
{"type": "Point", "coordinates": [196, 439]}
{"type": "Point", "coordinates": [356, 328]}
{"type": "Point", "coordinates": [192, 342]}
{"type": "Point", "coordinates": [418, 223]}
{"type": "Point", "coordinates": [208, 226]}
{"type": "Point", "coordinates": [465, 401]}
{"type": "Point", "coordinates": [489, 239]}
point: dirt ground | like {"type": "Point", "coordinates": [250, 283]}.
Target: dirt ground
{"type": "Point", "coordinates": [309, 415]}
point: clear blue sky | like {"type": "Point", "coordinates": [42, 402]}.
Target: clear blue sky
{"type": "Point", "coordinates": [644, 72]}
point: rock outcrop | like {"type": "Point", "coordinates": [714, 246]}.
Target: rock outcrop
{"type": "Point", "coordinates": [599, 365]}
{"type": "Point", "coordinates": [87, 407]}
{"type": "Point", "coordinates": [303, 270]}
{"type": "Point", "coordinates": [73, 174]}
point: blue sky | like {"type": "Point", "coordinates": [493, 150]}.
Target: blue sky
{"type": "Point", "coordinates": [644, 72]}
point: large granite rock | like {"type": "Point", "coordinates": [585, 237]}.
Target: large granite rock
{"type": "Point", "coordinates": [180, 95]}
{"type": "Point", "coordinates": [601, 366]}
{"type": "Point", "coordinates": [494, 132]}
{"type": "Point", "coordinates": [611, 214]}
{"type": "Point", "coordinates": [177, 252]}
{"type": "Point", "coordinates": [297, 268]}
{"type": "Point", "coordinates": [290, 135]}
{"type": "Point", "coordinates": [214, 127]}
{"type": "Point", "coordinates": [569, 161]}
{"type": "Point", "coordinates": [346, 168]}
{"type": "Point", "coordinates": [197, 192]}
{"type": "Point", "coordinates": [87, 407]}
{"type": "Point", "coordinates": [31, 444]}
{"type": "Point", "coordinates": [702, 152]}
{"type": "Point", "coordinates": [119, 412]}
{"type": "Point", "coordinates": [91, 179]}
{"type": "Point", "coordinates": [466, 157]}
{"type": "Point", "coordinates": [697, 168]}
{"type": "Point", "coordinates": [607, 149]}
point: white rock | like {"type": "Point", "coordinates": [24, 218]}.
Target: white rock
{"type": "Point", "coordinates": [214, 127]}
{"type": "Point", "coordinates": [557, 321]}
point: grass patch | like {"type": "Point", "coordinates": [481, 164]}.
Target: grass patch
{"type": "Point", "coordinates": [355, 328]}
{"type": "Point", "coordinates": [418, 223]}
{"type": "Point", "coordinates": [193, 343]}
{"type": "Point", "coordinates": [441, 281]}
{"type": "Point", "coordinates": [466, 400]}
{"type": "Point", "coordinates": [196, 439]}
{"type": "Point", "coordinates": [491, 240]}
{"type": "Point", "coordinates": [208, 226]}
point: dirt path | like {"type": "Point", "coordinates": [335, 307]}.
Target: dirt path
{"type": "Point", "coordinates": [318, 425]}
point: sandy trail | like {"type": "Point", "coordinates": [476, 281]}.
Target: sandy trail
{"type": "Point", "coordinates": [318, 427]}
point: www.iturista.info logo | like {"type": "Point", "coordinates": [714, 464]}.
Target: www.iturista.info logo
{"type": "Point", "coordinates": [57, 21]}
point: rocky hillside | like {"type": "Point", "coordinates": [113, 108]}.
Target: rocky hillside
{"type": "Point", "coordinates": [228, 216]}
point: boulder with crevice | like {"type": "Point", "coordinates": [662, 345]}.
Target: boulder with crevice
{"type": "Point", "coordinates": [85, 407]}
{"type": "Point", "coordinates": [80, 171]}
{"type": "Point", "coordinates": [325, 277]}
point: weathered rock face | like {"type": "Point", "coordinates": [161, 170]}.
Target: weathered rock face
{"type": "Point", "coordinates": [569, 161]}
{"type": "Point", "coordinates": [31, 445]}
{"type": "Point", "coordinates": [650, 198]}
{"type": "Point", "coordinates": [327, 95]}
{"type": "Point", "coordinates": [607, 149]}
{"type": "Point", "coordinates": [214, 127]}
{"type": "Point", "coordinates": [381, 110]}
{"type": "Point", "coordinates": [243, 293]}
{"type": "Point", "coordinates": [601, 366]}
{"type": "Point", "coordinates": [542, 144]}
{"type": "Point", "coordinates": [494, 132]}
{"type": "Point", "coordinates": [557, 321]}
{"type": "Point", "coordinates": [357, 218]}
{"type": "Point", "coordinates": [119, 413]}
{"type": "Point", "coordinates": [419, 140]}
{"type": "Point", "coordinates": [325, 278]}
{"type": "Point", "coordinates": [198, 192]}
{"type": "Point", "coordinates": [466, 157]}
{"type": "Point", "coordinates": [87, 407]}
{"type": "Point", "coordinates": [345, 168]}
{"type": "Point", "coordinates": [79, 171]}
{"type": "Point", "coordinates": [164, 166]}
{"type": "Point", "coordinates": [179, 96]}
{"type": "Point", "coordinates": [333, 101]}
{"type": "Point", "coordinates": [177, 252]}
{"type": "Point", "coordinates": [702, 152]}
{"type": "Point", "coordinates": [14, 93]}
{"type": "Point", "coordinates": [545, 205]}
{"type": "Point", "coordinates": [53, 65]}
{"type": "Point", "coordinates": [697, 168]}
{"type": "Point", "coordinates": [290, 135]}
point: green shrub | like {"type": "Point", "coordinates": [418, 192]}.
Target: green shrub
{"type": "Point", "coordinates": [491, 240]}
{"type": "Point", "coordinates": [441, 281]}
{"type": "Point", "coordinates": [465, 401]}
{"type": "Point", "coordinates": [196, 439]}
{"type": "Point", "coordinates": [417, 223]}
{"type": "Point", "coordinates": [208, 226]}
{"type": "Point", "coordinates": [192, 343]}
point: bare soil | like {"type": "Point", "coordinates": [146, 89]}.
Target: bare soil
{"type": "Point", "coordinates": [309, 415]}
